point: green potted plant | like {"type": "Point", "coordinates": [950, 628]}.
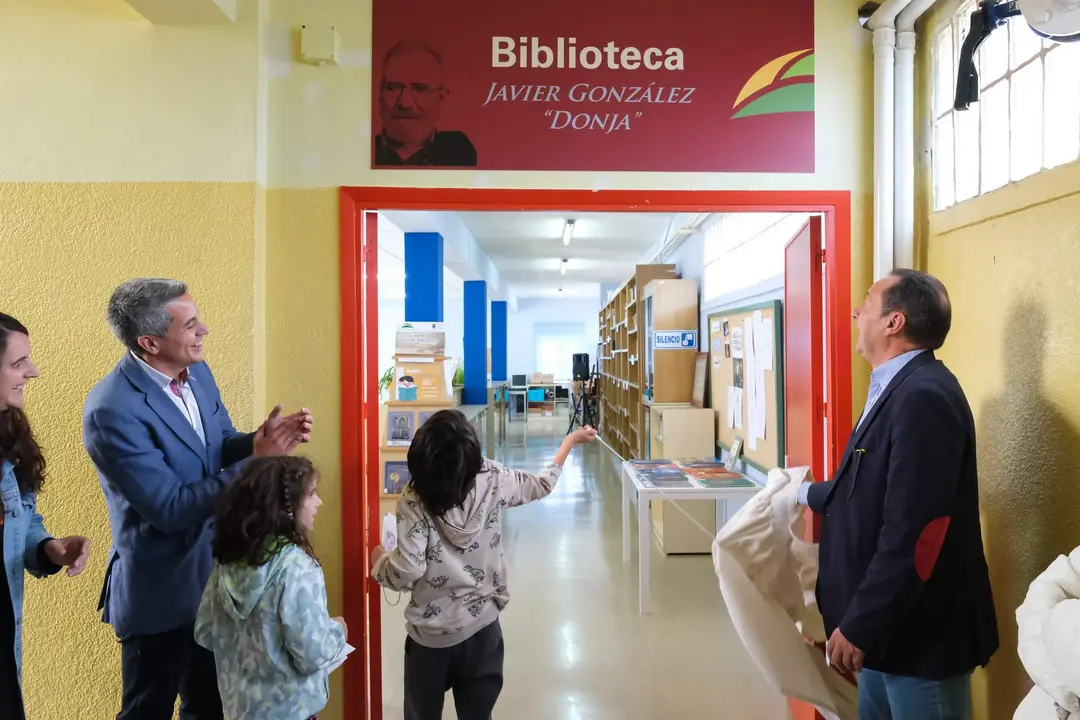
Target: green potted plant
{"type": "Point", "coordinates": [385, 382]}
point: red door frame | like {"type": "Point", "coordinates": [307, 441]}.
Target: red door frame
{"type": "Point", "coordinates": [359, 327]}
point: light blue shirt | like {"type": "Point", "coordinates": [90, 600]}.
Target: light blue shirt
{"type": "Point", "coordinates": [880, 377]}
{"type": "Point", "coordinates": [185, 402]}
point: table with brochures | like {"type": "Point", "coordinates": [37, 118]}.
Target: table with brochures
{"type": "Point", "coordinates": [647, 480]}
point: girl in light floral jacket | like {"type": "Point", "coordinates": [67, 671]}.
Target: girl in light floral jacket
{"type": "Point", "coordinates": [263, 613]}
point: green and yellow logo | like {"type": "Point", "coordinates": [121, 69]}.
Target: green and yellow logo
{"type": "Point", "coordinates": [783, 85]}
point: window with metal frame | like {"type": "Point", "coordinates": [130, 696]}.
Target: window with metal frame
{"type": "Point", "coordinates": [1027, 118]}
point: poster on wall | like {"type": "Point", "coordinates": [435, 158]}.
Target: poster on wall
{"type": "Point", "coordinates": [608, 85]}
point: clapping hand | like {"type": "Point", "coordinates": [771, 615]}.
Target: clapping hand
{"type": "Point", "coordinates": [70, 552]}
{"type": "Point", "coordinates": [279, 435]}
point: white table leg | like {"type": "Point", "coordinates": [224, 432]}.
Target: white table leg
{"type": "Point", "coordinates": [644, 530]}
{"type": "Point", "coordinates": [625, 482]}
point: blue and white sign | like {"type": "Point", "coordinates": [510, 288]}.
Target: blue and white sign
{"type": "Point", "coordinates": [675, 340]}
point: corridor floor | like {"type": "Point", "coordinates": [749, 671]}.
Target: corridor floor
{"type": "Point", "coordinates": [576, 647]}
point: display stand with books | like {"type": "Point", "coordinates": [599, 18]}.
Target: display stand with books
{"type": "Point", "coordinates": [673, 482]}
{"type": "Point", "coordinates": [421, 387]}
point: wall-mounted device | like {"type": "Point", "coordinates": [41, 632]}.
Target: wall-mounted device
{"type": "Point", "coordinates": [1057, 20]}
{"type": "Point", "coordinates": [319, 44]}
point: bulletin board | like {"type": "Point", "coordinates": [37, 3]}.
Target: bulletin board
{"type": "Point", "coordinates": [725, 371]}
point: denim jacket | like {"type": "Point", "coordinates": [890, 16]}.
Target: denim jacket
{"type": "Point", "coordinates": [273, 640]}
{"type": "Point", "coordinates": [24, 535]}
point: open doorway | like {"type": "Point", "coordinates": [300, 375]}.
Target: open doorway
{"type": "Point", "coordinates": [361, 483]}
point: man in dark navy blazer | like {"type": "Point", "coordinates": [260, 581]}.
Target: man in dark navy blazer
{"type": "Point", "coordinates": [903, 583]}
{"type": "Point", "coordinates": [165, 447]}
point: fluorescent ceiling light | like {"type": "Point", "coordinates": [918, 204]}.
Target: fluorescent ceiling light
{"type": "Point", "coordinates": [568, 232]}
{"type": "Point", "coordinates": [562, 267]}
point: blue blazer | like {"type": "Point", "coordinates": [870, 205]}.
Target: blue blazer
{"type": "Point", "coordinates": [161, 486]}
{"type": "Point", "coordinates": [901, 566]}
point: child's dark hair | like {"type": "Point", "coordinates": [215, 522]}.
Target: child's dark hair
{"type": "Point", "coordinates": [444, 459]}
{"type": "Point", "coordinates": [260, 508]}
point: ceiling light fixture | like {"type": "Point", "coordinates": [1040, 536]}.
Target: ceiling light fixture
{"type": "Point", "coordinates": [562, 267]}
{"type": "Point", "coordinates": [560, 291]}
{"type": "Point", "coordinates": [567, 232]}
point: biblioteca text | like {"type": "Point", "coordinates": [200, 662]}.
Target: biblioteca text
{"type": "Point", "coordinates": [528, 52]}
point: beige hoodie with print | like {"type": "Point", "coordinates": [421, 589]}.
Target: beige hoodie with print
{"type": "Point", "coordinates": [454, 565]}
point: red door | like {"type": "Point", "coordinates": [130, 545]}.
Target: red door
{"type": "Point", "coordinates": [804, 363]}
{"type": "Point", "coordinates": [360, 471]}
{"type": "Point", "coordinates": [804, 355]}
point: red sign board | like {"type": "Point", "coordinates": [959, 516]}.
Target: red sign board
{"type": "Point", "coordinates": [601, 85]}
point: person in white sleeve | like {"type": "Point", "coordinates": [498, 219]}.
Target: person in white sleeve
{"type": "Point", "coordinates": [1048, 642]}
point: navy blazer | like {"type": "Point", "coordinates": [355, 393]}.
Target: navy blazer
{"type": "Point", "coordinates": [902, 571]}
{"type": "Point", "coordinates": [161, 487]}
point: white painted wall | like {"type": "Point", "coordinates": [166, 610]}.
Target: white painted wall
{"type": "Point", "coordinates": [520, 338]}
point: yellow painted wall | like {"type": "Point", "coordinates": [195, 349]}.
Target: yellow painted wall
{"type": "Point", "coordinates": [1009, 260]}
{"type": "Point", "coordinates": [64, 248]}
{"type": "Point", "coordinates": [125, 149]}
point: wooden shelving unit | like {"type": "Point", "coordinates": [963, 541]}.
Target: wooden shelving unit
{"type": "Point", "coordinates": [622, 350]}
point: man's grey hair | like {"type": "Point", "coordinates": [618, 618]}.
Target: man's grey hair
{"type": "Point", "coordinates": [138, 307]}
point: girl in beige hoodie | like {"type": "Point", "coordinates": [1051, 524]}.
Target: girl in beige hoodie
{"type": "Point", "coordinates": [449, 556]}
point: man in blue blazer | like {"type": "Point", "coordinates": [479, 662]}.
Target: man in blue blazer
{"type": "Point", "coordinates": [903, 584]}
{"type": "Point", "coordinates": [165, 447]}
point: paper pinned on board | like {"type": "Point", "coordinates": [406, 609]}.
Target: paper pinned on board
{"type": "Point", "coordinates": [737, 407]}
{"type": "Point", "coordinates": [736, 342]}
{"type": "Point", "coordinates": [764, 341]}
{"type": "Point", "coordinates": [758, 430]}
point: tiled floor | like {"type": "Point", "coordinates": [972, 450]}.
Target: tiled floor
{"type": "Point", "coordinates": [576, 647]}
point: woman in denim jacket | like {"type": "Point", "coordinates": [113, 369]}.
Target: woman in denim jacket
{"type": "Point", "coordinates": [24, 542]}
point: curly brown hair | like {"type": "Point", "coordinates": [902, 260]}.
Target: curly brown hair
{"type": "Point", "coordinates": [259, 512]}
{"type": "Point", "coordinates": [17, 443]}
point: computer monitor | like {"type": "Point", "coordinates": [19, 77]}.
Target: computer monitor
{"type": "Point", "coordinates": [518, 381]}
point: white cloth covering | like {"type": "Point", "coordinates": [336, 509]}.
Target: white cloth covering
{"type": "Point", "coordinates": [767, 574]}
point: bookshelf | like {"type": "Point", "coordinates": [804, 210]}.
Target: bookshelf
{"type": "Point", "coordinates": [620, 364]}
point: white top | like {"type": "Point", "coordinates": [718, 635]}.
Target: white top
{"type": "Point", "coordinates": [185, 402]}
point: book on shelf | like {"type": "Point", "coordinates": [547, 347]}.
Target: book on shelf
{"type": "Point", "coordinates": [396, 477]}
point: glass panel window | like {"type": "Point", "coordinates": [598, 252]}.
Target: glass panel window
{"type": "Point", "coordinates": [1024, 43]}
{"type": "Point", "coordinates": [1062, 120]}
{"type": "Point", "coordinates": [944, 84]}
{"type": "Point", "coordinates": [994, 141]}
{"type": "Point", "coordinates": [994, 57]}
{"type": "Point", "coordinates": [943, 153]}
{"type": "Point", "coordinates": [1026, 121]}
{"type": "Point", "coordinates": [1027, 117]}
{"type": "Point", "coordinates": [967, 154]}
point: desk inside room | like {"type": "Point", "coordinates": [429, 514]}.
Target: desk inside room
{"type": "Point", "coordinates": [634, 486]}
{"type": "Point", "coordinates": [544, 396]}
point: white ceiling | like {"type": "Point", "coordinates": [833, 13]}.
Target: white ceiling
{"type": "Point", "coordinates": [392, 264]}
{"type": "Point", "coordinates": [527, 248]}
